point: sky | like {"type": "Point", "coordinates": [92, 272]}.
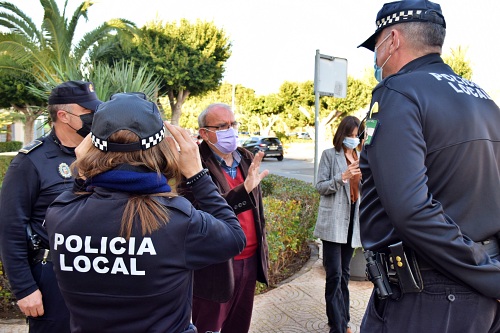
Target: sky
{"type": "Point", "coordinates": [274, 41]}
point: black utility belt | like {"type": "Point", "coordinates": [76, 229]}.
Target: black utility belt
{"type": "Point", "coordinates": [491, 246]}
{"type": "Point", "coordinates": [401, 266]}
{"type": "Point", "coordinates": [40, 255]}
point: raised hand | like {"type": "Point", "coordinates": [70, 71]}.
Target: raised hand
{"type": "Point", "coordinates": [188, 154]}
{"type": "Point", "coordinates": [254, 176]}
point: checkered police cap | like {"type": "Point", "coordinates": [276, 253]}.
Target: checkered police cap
{"type": "Point", "coordinates": [127, 111]}
{"type": "Point", "coordinates": [405, 11]}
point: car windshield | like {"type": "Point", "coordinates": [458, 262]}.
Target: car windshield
{"type": "Point", "coordinates": [271, 141]}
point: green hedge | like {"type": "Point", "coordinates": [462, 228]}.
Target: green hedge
{"type": "Point", "coordinates": [4, 165]}
{"type": "Point", "coordinates": [10, 146]}
{"type": "Point", "coordinates": [291, 209]}
{"type": "Point", "coordinates": [6, 298]}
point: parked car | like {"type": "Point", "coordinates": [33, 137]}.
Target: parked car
{"type": "Point", "coordinates": [303, 135]}
{"type": "Point", "coordinates": [241, 141]}
{"type": "Point", "coordinates": [270, 145]}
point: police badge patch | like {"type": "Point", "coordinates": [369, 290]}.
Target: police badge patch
{"type": "Point", "coordinates": [64, 171]}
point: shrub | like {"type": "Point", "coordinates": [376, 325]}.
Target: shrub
{"type": "Point", "coordinates": [291, 208]}
{"type": "Point", "coordinates": [4, 165]}
{"type": "Point", "coordinates": [10, 146]}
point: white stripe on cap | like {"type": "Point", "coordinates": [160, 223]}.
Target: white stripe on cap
{"type": "Point", "coordinates": [153, 140]}
{"type": "Point", "coordinates": [396, 17]}
{"type": "Point", "coordinates": [99, 143]}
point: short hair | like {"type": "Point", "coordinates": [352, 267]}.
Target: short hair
{"type": "Point", "coordinates": [423, 35]}
{"type": "Point", "coordinates": [346, 126]}
{"type": "Point", "coordinates": [204, 113]}
{"type": "Point", "coordinates": [56, 107]}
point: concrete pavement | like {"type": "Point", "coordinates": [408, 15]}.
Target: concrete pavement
{"type": "Point", "coordinates": [298, 305]}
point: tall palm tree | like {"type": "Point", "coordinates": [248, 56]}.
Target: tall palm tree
{"type": "Point", "coordinates": [49, 53]}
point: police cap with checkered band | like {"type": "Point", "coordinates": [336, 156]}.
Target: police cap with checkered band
{"type": "Point", "coordinates": [405, 11]}
{"type": "Point", "coordinates": [127, 111]}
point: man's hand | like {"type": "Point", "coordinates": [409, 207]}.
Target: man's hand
{"type": "Point", "coordinates": [32, 305]}
{"type": "Point", "coordinates": [188, 154]}
{"type": "Point", "coordinates": [254, 177]}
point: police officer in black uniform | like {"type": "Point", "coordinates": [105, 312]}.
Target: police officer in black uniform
{"type": "Point", "coordinates": [36, 176]}
{"type": "Point", "coordinates": [430, 207]}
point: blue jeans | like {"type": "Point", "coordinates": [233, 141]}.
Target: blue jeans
{"type": "Point", "coordinates": [443, 306]}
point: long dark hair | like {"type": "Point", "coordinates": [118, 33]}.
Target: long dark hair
{"type": "Point", "coordinates": [346, 126]}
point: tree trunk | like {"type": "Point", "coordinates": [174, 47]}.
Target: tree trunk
{"type": "Point", "coordinates": [30, 113]}
{"type": "Point", "coordinates": [29, 126]}
{"type": "Point", "coordinates": [176, 104]}
{"type": "Point", "coordinates": [8, 136]}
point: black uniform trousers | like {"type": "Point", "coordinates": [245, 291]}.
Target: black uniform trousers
{"type": "Point", "coordinates": [336, 261]}
{"type": "Point", "coordinates": [56, 316]}
{"type": "Point", "coordinates": [444, 306]}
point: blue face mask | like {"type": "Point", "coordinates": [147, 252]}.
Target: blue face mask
{"type": "Point", "coordinates": [379, 69]}
{"type": "Point", "coordinates": [350, 143]}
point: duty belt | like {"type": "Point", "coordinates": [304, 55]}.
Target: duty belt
{"type": "Point", "coordinates": [403, 267]}
{"type": "Point", "coordinates": [40, 255]}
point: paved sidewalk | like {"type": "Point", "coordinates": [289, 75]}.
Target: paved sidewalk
{"type": "Point", "coordinates": [298, 306]}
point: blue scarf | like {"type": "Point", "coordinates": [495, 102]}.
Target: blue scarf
{"type": "Point", "coordinates": [130, 179]}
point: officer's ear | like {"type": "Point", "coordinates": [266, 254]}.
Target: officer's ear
{"type": "Point", "coordinates": [63, 116]}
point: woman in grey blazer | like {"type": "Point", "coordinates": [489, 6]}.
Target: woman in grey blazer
{"type": "Point", "coordinates": [337, 225]}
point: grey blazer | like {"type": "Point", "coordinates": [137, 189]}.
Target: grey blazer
{"type": "Point", "coordinates": [335, 202]}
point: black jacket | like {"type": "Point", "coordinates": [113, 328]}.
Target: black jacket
{"type": "Point", "coordinates": [143, 284]}
{"type": "Point", "coordinates": [431, 176]}
{"type": "Point", "coordinates": [36, 176]}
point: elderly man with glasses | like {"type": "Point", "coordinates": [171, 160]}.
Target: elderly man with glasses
{"type": "Point", "coordinates": [224, 293]}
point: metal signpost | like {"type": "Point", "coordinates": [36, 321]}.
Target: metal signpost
{"type": "Point", "coordinates": [330, 79]}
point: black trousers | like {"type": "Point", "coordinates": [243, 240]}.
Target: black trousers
{"type": "Point", "coordinates": [56, 314]}
{"type": "Point", "coordinates": [336, 261]}
{"type": "Point", "coordinates": [444, 306]}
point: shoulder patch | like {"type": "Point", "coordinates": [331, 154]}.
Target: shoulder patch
{"type": "Point", "coordinates": [31, 146]}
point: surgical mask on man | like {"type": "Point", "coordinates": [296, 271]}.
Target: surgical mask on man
{"type": "Point", "coordinates": [226, 140]}
{"type": "Point", "coordinates": [86, 124]}
{"type": "Point", "coordinates": [379, 69]}
{"type": "Point", "coordinates": [351, 143]}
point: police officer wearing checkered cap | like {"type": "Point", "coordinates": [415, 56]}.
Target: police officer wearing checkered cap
{"type": "Point", "coordinates": [125, 245]}
{"type": "Point", "coordinates": [36, 176]}
{"type": "Point", "coordinates": [430, 205]}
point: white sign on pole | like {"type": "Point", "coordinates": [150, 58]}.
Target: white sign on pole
{"type": "Point", "coordinates": [332, 76]}
{"type": "Point", "coordinates": [330, 79]}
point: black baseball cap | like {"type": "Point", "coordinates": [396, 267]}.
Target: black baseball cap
{"type": "Point", "coordinates": [405, 11]}
{"type": "Point", "coordinates": [75, 92]}
{"type": "Point", "coordinates": [127, 111]}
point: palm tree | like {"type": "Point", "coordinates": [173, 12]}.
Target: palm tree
{"type": "Point", "coordinates": [47, 53]}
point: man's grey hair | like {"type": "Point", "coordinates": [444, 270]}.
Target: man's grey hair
{"type": "Point", "coordinates": [56, 107]}
{"type": "Point", "coordinates": [423, 35]}
{"type": "Point", "coordinates": [203, 114]}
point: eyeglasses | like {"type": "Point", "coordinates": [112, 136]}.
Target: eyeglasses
{"type": "Point", "coordinates": [235, 125]}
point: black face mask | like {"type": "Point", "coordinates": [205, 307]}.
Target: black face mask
{"type": "Point", "coordinates": [86, 124]}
